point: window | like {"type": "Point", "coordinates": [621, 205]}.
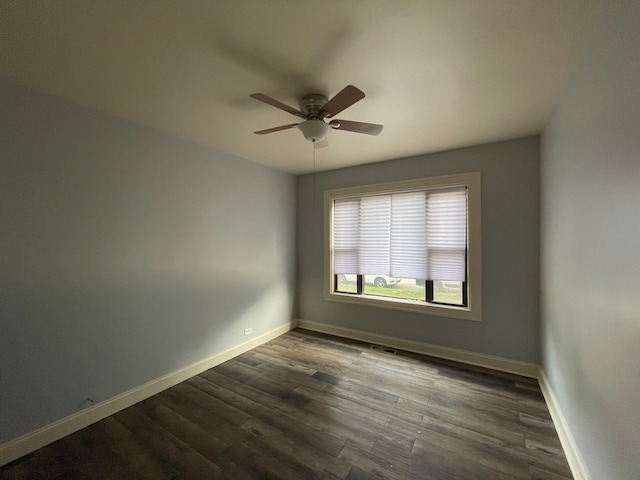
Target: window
{"type": "Point", "coordinates": [412, 245]}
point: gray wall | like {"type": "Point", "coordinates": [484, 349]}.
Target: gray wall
{"type": "Point", "coordinates": [510, 256]}
{"type": "Point", "coordinates": [125, 253]}
{"type": "Point", "coordinates": [590, 259]}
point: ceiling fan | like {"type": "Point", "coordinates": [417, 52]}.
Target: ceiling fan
{"type": "Point", "coordinates": [314, 109]}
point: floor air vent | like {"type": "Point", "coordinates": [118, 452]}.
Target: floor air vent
{"type": "Point", "coordinates": [382, 348]}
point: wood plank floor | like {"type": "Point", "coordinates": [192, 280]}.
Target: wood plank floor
{"type": "Point", "coordinates": [312, 406]}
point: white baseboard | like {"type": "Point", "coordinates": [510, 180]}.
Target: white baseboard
{"type": "Point", "coordinates": [576, 462]}
{"type": "Point", "coordinates": [32, 441]}
{"type": "Point", "coordinates": [464, 356]}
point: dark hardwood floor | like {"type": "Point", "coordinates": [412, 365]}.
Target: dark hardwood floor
{"type": "Point", "coordinates": [312, 406]}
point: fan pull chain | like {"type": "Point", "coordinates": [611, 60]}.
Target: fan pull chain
{"type": "Point", "coordinates": [314, 174]}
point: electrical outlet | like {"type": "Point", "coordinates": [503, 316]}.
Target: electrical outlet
{"type": "Point", "coordinates": [247, 331]}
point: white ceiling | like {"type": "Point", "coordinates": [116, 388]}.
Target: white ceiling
{"type": "Point", "coordinates": [439, 74]}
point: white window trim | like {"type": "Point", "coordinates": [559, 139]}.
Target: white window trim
{"type": "Point", "coordinates": [473, 311]}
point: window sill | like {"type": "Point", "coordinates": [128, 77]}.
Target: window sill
{"type": "Point", "coordinates": [462, 313]}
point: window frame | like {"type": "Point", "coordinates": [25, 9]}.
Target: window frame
{"type": "Point", "coordinates": [473, 309]}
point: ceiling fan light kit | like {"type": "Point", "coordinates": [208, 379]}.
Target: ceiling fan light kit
{"type": "Point", "coordinates": [314, 130]}
{"type": "Point", "coordinates": [315, 108]}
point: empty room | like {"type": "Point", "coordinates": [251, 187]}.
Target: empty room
{"type": "Point", "coordinates": [351, 239]}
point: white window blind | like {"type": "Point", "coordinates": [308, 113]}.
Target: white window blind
{"type": "Point", "coordinates": [420, 234]}
{"type": "Point", "coordinates": [408, 235]}
{"type": "Point", "coordinates": [375, 235]}
{"type": "Point", "coordinates": [447, 235]}
{"type": "Point", "coordinates": [346, 236]}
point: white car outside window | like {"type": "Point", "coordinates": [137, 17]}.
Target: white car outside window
{"type": "Point", "coordinates": [375, 280]}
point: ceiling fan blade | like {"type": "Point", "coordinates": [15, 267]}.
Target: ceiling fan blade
{"type": "Point", "coordinates": [276, 129]}
{"type": "Point", "coordinates": [275, 103]}
{"type": "Point", "coordinates": [358, 127]}
{"type": "Point", "coordinates": [344, 99]}
{"type": "Point", "coordinates": [321, 143]}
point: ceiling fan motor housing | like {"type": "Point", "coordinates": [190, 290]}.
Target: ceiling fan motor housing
{"type": "Point", "coordinates": [311, 104]}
